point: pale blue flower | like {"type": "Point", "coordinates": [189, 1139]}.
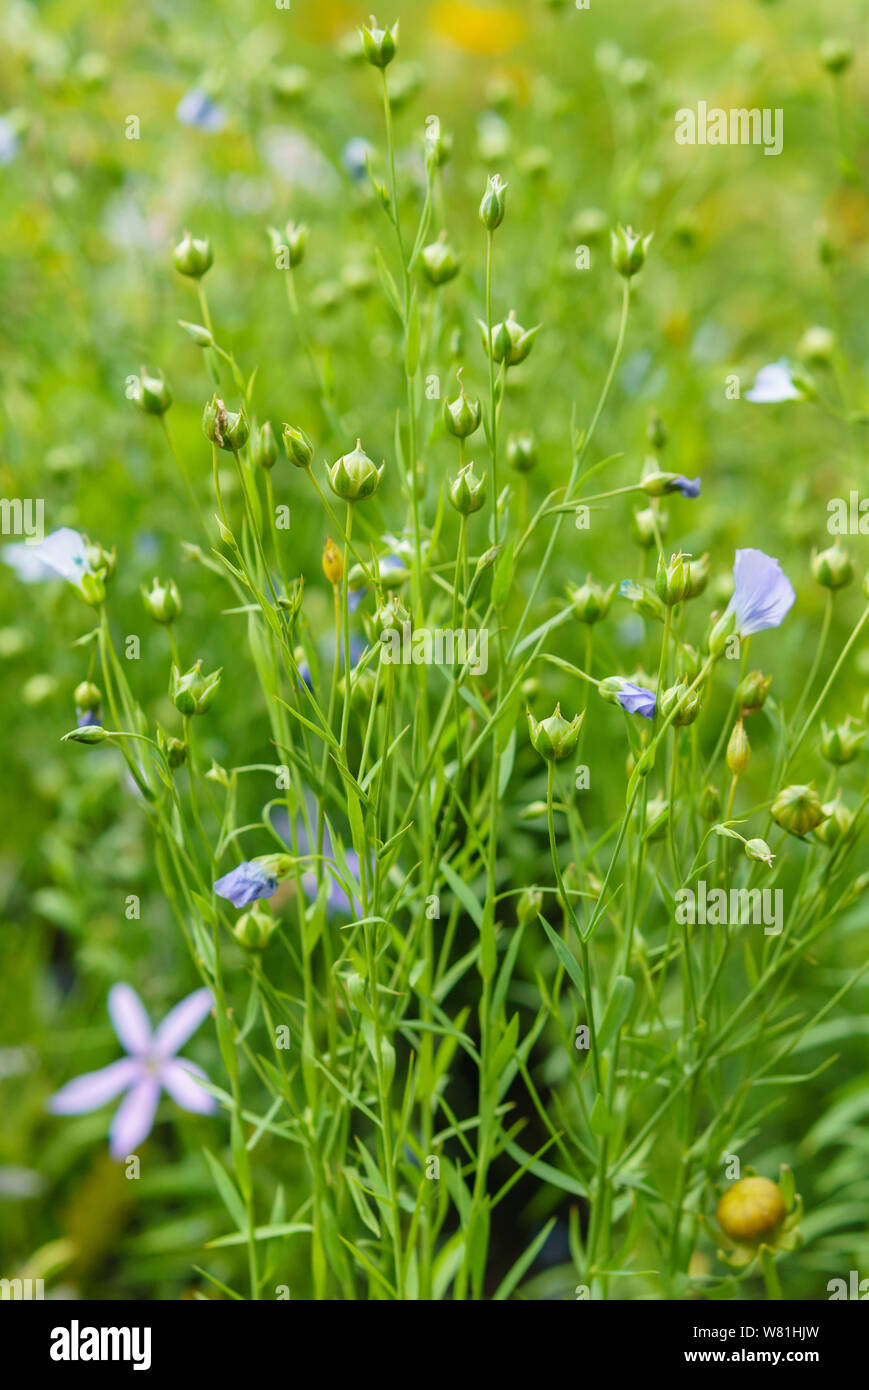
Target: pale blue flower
{"type": "Point", "coordinates": [150, 1067]}
{"type": "Point", "coordinates": [200, 111]}
{"type": "Point", "coordinates": [9, 140]}
{"type": "Point", "coordinates": [62, 553]}
{"type": "Point", "coordinates": [762, 593]}
{"type": "Point", "coordinates": [244, 884]}
{"type": "Point", "coordinates": [636, 699]}
{"type": "Point", "coordinates": [689, 487]}
{"type": "Point", "coordinates": [773, 383]}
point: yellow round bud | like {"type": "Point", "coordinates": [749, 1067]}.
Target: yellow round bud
{"type": "Point", "coordinates": [751, 1210]}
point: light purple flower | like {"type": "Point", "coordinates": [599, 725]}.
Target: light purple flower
{"type": "Point", "coordinates": [355, 156]}
{"type": "Point", "coordinates": [88, 718]}
{"type": "Point", "coordinates": [774, 383]}
{"type": "Point", "coordinates": [636, 700]}
{"type": "Point", "coordinates": [197, 109]}
{"type": "Point", "coordinates": [762, 593]}
{"type": "Point", "coordinates": [8, 140]}
{"type": "Point", "coordinates": [63, 553]}
{"type": "Point", "coordinates": [244, 884]}
{"type": "Point", "coordinates": [150, 1067]}
{"type": "Point", "coordinates": [689, 487]}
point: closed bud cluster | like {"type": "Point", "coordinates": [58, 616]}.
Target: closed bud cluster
{"type": "Point", "coordinates": [590, 600]}
{"type": "Point", "coordinates": [354, 476]}
{"type": "Point", "coordinates": [842, 743]}
{"type": "Point", "coordinates": [300, 450]}
{"type": "Point", "coordinates": [522, 451]}
{"type": "Point", "coordinates": [671, 579]}
{"type": "Point", "coordinates": [798, 809]}
{"type": "Point", "coordinates": [493, 205]}
{"type": "Point", "coordinates": [150, 393]}
{"type": "Point", "coordinates": [162, 601]}
{"type": "Point", "coordinates": [628, 250]}
{"type": "Point", "coordinates": [687, 705]}
{"type": "Point", "coordinates": [227, 429]}
{"type": "Point", "coordinates": [510, 342]}
{"type": "Point", "coordinates": [193, 257]}
{"type": "Point", "coordinates": [193, 693]}
{"type": "Point", "coordinates": [467, 492]}
{"type": "Point", "coordinates": [752, 691]}
{"type": "Point", "coordinates": [554, 738]}
{"type": "Point", "coordinates": [738, 750]}
{"type": "Point", "coordinates": [832, 568]}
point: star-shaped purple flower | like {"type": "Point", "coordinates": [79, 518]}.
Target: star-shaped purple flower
{"type": "Point", "coordinates": [244, 884]}
{"type": "Point", "coordinates": [150, 1067]}
{"type": "Point", "coordinates": [762, 593]}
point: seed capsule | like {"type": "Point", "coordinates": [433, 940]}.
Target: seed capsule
{"type": "Point", "coordinates": [751, 1210]}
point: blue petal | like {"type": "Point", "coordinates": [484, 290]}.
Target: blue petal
{"type": "Point", "coordinates": [243, 885]}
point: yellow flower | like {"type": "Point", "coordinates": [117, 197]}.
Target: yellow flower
{"type": "Point", "coordinates": [478, 29]}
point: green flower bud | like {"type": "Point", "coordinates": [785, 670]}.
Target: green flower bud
{"type": "Point", "coordinates": [174, 750]}
{"type": "Point", "coordinates": [264, 447]}
{"type": "Point", "coordinates": [290, 83]}
{"type": "Point", "coordinates": [841, 744]}
{"type": "Point", "coordinates": [522, 451]}
{"type": "Point", "coordinates": [392, 616]}
{"type": "Point", "coordinates": [752, 691]}
{"type": "Point", "coordinates": [439, 262]}
{"type": "Point", "coordinates": [709, 804]}
{"type": "Point", "coordinates": [721, 632]}
{"type": "Point", "coordinates": [656, 432]}
{"type": "Point", "coordinates": [300, 450]}
{"type": "Point", "coordinates": [200, 335]}
{"type": "Point", "coordinates": [150, 393]}
{"type": "Point", "coordinates": [462, 416]}
{"type": "Point", "coordinates": [838, 823]}
{"type": "Point", "coordinates": [554, 738]}
{"type": "Point", "coordinates": [193, 257]}
{"type": "Point", "coordinates": [493, 205]}
{"type": "Point", "coordinates": [832, 568]}
{"type": "Point", "coordinates": [468, 493]}
{"type": "Point", "coordinates": [671, 579]}
{"type": "Point", "coordinates": [698, 576]}
{"type": "Point", "coordinates": [590, 601]}
{"type": "Point", "coordinates": [438, 149]}
{"type": "Point", "coordinates": [254, 928]}
{"type": "Point", "coordinates": [93, 590]}
{"type": "Point", "coordinates": [657, 817]}
{"type": "Point", "coordinates": [759, 849]}
{"type": "Point", "coordinates": [798, 809]}
{"type": "Point", "coordinates": [387, 576]}
{"type": "Point", "coordinates": [817, 346]}
{"type": "Point", "coordinates": [738, 750]}
{"type": "Point", "coordinates": [528, 905]}
{"type": "Point", "coordinates": [643, 599]}
{"type": "Point", "coordinates": [297, 234]}
{"type": "Point", "coordinates": [628, 251]}
{"type": "Point", "coordinates": [87, 697]}
{"type": "Point", "coordinates": [379, 45]}
{"type": "Point", "coordinates": [226, 428]}
{"type": "Point", "coordinates": [162, 601]}
{"type": "Point", "coordinates": [688, 705]}
{"type": "Point", "coordinates": [88, 733]}
{"type": "Point", "coordinates": [510, 342]}
{"type": "Point", "coordinates": [644, 526]}
{"type": "Point", "coordinates": [193, 692]}
{"type": "Point", "coordinates": [353, 476]}
{"type": "Point", "coordinates": [103, 562]}
{"type": "Point", "coordinates": [837, 55]}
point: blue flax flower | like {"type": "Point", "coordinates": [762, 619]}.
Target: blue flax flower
{"type": "Point", "coordinates": [636, 700]}
{"type": "Point", "coordinates": [762, 593]}
{"type": "Point", "coordinates": [244, 884]}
